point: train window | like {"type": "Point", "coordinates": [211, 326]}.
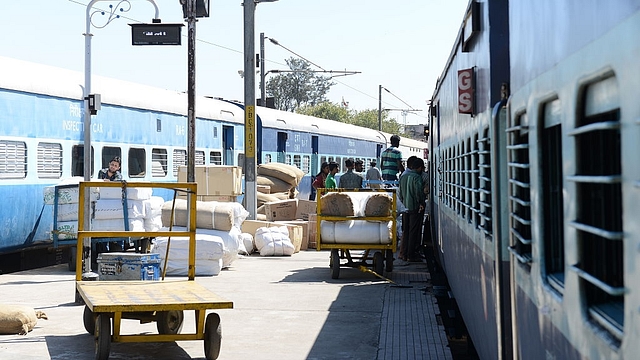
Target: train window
{"type": "Point", "coordinates": [49, 160]}
{"type": "Point", "coordinates": [306, 164]}
{"type": "Point", "coordinates": [519, 187]}
{"type": "Point", "coordinates": [598, 223]}
{"type": "Point", "coordinates": [467, 179]}
{"type": "Point", "coordinates": [267, 158]}
{"type": "Point", "coordinates": [475, 169]}
{"type": "Point", "coordinates": [338, 161]}
{"type": "Point", "coordinates": [159, 162]}
{"type": "Point", "coordinates": [287, 160]}
{"type": "Point", "coordinates": [551, 161]}
{"type": "Point", "coordinates": [108, 153]}
{"type": "Point", "coordinates": [77, 160]}
{"type": "Point", "coordinates": [297, 161]}
{"type": "Point", "coordinates": [137, 162]}
{"type": "Point", "coordinates": [215, 157]}
{"type": "Point", "coordinates": [200, 157]}
{"type": "Point", "coordinates": [323, 159]}
{"type": "Point", "coordinates": [484, 152]}
{"type": "Point", "coordinates": [13, 159]}
{"type": "Point", "coordinates": [179, 159]}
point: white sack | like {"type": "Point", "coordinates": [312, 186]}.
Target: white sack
{"type": "Point", "coordinates": [153, 223]}
{"type": "Point", "coordinates": [247, 240]}
{"type": "Point", "coordinates": [132, 193]}
{"type": "Point", "coordinates": [274, 241]}
{"type": "Point", "coordinates": [68, 212]}
{"type": "Point", "coordinates": [112, 209]}
{"type": "Point", "coordinates": [68, 195]}
{"type": "Point", "coordinates": [180, 267]}
{"type": "Point", "coordinates": [116, 225]}
{"type": "Point", "coordinates": [355, 232]}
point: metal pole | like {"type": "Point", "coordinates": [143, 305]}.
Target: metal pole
{"type": "Point", "coordinates": [250, 200]}
{"type": "Point", "coordinates": [379, 107]}
{"type": "Point", "coordinates": [263, 90]}
{"type": "Point", "coordinates": [191, 90]}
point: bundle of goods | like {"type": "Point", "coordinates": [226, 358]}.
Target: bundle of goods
{"type": "Point", "coordinates": [215, 250]}
{"type": "Point", "coordinates": [358, 204]}
{"type": "Point", "coordinates": [67, 209]}
{"type": "Point", "coordinates": [109, 209]}
{"type": "Point", "coordinates": [18, 319]}
{"type": "Point", "coordinates": [281, 178]}
{"type": "Point", "coordinates": [209, 214]}
{"type": "Point", "coordinates": [274, 241]}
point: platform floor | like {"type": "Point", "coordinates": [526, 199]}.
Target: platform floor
{"type": "Point", "coordinates": [284, 308]}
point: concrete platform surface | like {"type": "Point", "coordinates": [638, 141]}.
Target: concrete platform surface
{"type": "Point", "coordinates": [285, 308]}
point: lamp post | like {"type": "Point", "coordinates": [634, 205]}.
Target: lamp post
{"type": "Point", "coordinates": [87, 112]}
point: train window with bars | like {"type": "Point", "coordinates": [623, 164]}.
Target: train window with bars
{"type": "Point", "coordinates": [77, 160]}
{"type": "Point", "coordinates": [179, 159]}
{"type": "Point", "coordinates": [110, 152]}
{"type": "Point", "coordinates": [267, 158]}
{"type": "Point", "coordinates": [552, 202]}
{"type": "Point", "coordinates": [13, 159]}
{"type": "Point", "coordinates": [519, 187]}
{"type": "Point", "coordinates": [288, 160]}
{"type": "Point", "coordinates": [449, 177]}
{"type": "Point", "coordinates": [49, 160]}
{"type": "Point", "coordinates": [137, 162]}
{"type": "Point", "coordinates": [297, 161]}
{"type": "Point", "coordinates": [457, 176]}
{"type": "Point", "coordinates": [475, 169]}
{"type": "Point", "coordinates": [598, 223]}
{"type": "Point", "coordinates": [159, 162]}
{"type": "Point", "coordinates": [215, 157]}
{"type": "Point", "coordinates": [484, 166]}
{"type": "Point", "coordinates": [468, 187]}
{"type": "Point", "coordinates": [199, 160]}
{"type": "Point", "coordinates": [306, 164]}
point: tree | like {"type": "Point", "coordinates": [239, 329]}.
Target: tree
{"type": "Point", "coordinates": [369, 119]}
{"type": "Point", "coordinates": [326, 110]}
{"type": "Point", "coordinates": [297, 87]}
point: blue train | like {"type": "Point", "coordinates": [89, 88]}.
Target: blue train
{"type": "Point", "coordinates": [534, 173]}
{"type": "Point", "coordinates": [42, 132]}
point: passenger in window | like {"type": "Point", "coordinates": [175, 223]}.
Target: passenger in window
{"type": "Point", "coordinates": [318, 181]}
{"type": "Point", "coordinates": [330, 182]}
{"type": "Point", "coordinates": [391, 160]}
{"type": "Point", "coordinates": [350, 180]}
{"type": "Point", "coordinates": [374, 174]}
{"type": "Point", "coordinates": [111, 173]}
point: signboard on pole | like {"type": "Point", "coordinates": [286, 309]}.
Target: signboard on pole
{"type": "Point", "coordinates": [156, 34]}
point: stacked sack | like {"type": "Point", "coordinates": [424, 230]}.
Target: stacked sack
{"type": "Point", "coordinates": [282, 180]}
{"type": "Point", "coordinates": [216, 222]}
{"type": "Point", "coordinates": [108, 214]}
{"type": "Point", "coordinates": [67, 221]}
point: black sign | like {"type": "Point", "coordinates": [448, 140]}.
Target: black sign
{"type": "Point", "coordinates": [156, 34]}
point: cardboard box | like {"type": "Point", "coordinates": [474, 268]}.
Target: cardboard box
{"type": "Point", "coordinates": [281, 210]}
{"type": "Point", "coordinates": [312, 231]}
{"type": "Point", "coordinates": [295, 231]}
{"type": "Point", "coordinates": [305, 207]}
{"type": "Point", "coordinates": [128, 266]}
{"type": "Point", "coordinates": [215, 179]}
{"type": "Point", "coordinates": [305, 231]}
{"type": "Point", "coordinates": [265, 189]}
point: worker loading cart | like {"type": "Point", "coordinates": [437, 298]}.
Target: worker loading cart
{"type": "Point", "coordinates": [108, 302]}
{"type": "Point", "coordinates": [360, 219]}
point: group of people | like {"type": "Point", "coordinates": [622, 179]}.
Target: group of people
{"type": "Point", "coordinates": [351, 179]}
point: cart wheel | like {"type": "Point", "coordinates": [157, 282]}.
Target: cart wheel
{"type": "Point", "coordinates": [103, 336]}
{"type": "Point", "coordinates": [335, 264]}
{"type": "Point", "coordinates": [169, 322]}
{"type": "Point", "coordinates": [389, 260]}
{"type": "Point", "coordinates": [212, 336]}
{"type": "Point", "coordinates": [72, 259]}
{"type": "Point", "coordinates": [89, 320]}
{"type": "Point", "coordinates": [378, 263]}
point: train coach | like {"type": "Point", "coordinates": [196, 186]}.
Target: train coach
{"type": "Point", "coordinates": [42, 140]}
{"type": "Point", "coordinates": [535, 180]}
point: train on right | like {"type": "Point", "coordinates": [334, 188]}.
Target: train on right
{"type": "Point", "coordinates": [534, 163]}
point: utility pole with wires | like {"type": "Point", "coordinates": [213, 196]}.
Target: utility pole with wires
{"type": "Point", "coordinates": [404, 112]}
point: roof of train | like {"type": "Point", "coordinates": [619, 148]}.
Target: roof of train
{"type": "Point", "coordinates": [35, 78]}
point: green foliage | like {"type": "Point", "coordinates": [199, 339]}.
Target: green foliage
{"type": "Point", "coordinates": [364, 118]}
{"type": "Point", "coordinates": [298, 87]}
{"type": "Point", "coordinates": [326, 110]}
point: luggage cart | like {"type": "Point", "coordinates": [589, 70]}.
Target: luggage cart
{"type": "Point", "coordinates": [108, 302]}
{"type": "Point", "coordinates": [377, 256]}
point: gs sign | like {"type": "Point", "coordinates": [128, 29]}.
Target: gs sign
{"type": "Point", "coordinates": [465, 91]}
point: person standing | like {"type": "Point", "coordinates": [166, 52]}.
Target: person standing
{"type": "Point", "coordinates": [412, 190]}
{"type": "Point", "coordinates": [374, 174]}
{"type": "Point", "coordinates": [330, 182]}
{"type": "Point", "coordinates": [391, 160]}
{"type": "Point", "coordinates": [112, 172]}
{"type": "Point", "coordinates": [350, 180]}
{"type": "Point", "coordinates": [318, 181]}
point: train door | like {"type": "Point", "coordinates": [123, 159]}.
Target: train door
{"type": "Point", "coordinates": [227, 145]}
{"type": "Point", "coordinates": [315, 166]}
{"type": "Point", "coordinates": [282, 146]}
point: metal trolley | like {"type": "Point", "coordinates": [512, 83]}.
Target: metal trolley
{"type": "Point", "coordinates": [382, 254]}
{"type": "Point", "coordinates": [108, 302]}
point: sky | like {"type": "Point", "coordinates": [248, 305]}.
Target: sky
{"type": "Point", "coordinates": [402, 45]}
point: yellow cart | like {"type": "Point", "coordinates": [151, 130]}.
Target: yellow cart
{"type": "Point", "coordinates": [382, 253]}
{"type": "Point", "coordinates": [108, 302]}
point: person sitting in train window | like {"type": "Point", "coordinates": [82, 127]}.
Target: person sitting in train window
{"type": "Point", "coordinates": [391, 160]}
{"type": "Point", "coordinates": [111, 173]}
{"type": "Point", "coordinates": [350, 180]}
{"type": "Point", "coordinates": [318, 181]}
{"type": "Point", "coordinates": [414, 200]}
{"type": "Point", "coordinates": [374, 174]}
{"type": "Point", "coordinates": [330, 182]}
